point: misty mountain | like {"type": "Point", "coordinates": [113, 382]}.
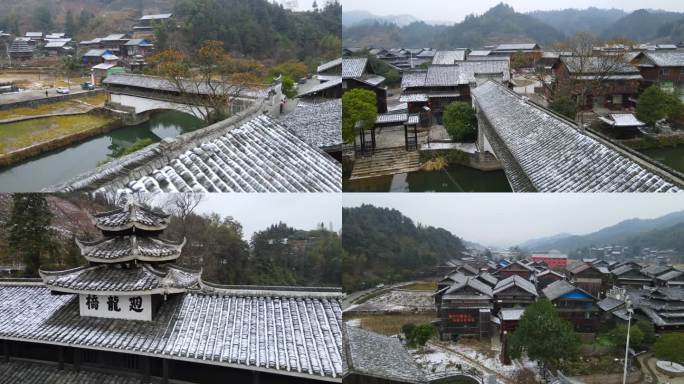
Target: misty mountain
{"type": "Point", "coordinates": [642, 25]}
{"type": "Point", "coordinates": [500, 24]}
{"type": "Point", "coordinates": [619, 233]}
{"type": "Point", "coordinates": [534, 244]}
{"type": "Point", "coordinates": [572, 21]}
{"type": "Point", "coordinates": [351, 18]}
{"type": "Point", "coordinates": [666, 238]}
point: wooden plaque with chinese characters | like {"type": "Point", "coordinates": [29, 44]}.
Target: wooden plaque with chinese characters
{"type": "Point", "coordinates": [136, 307]}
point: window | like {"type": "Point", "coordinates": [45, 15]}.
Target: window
{"type": "Point", "coordinates": [664, 72]}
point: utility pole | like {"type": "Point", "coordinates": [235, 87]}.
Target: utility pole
{"type": "Point", "coordinates": [628, 305]}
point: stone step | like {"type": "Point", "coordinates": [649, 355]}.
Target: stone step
{"type": "Point", "coordinates": [386, 162]}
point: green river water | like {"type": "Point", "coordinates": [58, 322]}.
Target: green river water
{"type": "Point", "coordinates": [65, 163]}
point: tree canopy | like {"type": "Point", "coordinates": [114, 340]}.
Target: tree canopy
{"type": "Point", "coordinates": [460, 121]}
{"type": "Point", "coordinates": [381, 246]}
{"type": "Point", "coordinates": [29, 236]}
{"type": "Point", "coordinates": [669, 347]}
{"type": "Point", "coordinates": [543, 335]}
{"type": "Point", "coordinates": [358, 106]}
{"type": "Point", "coordinates": [655, 104]}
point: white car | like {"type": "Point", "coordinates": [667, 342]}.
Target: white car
{"type": "Point", "coordinates": [63, 91]}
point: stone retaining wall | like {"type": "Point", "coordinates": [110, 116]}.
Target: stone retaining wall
{"type": "Point", "coordinates": [52, 99]}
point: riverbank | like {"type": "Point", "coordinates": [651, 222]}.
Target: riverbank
{"type": "Point", "coordinates": [656, 141]}
{"type": "Point", "coordinates": [28, 138]}
{"type": "Point", "coordinates": [63, 163]}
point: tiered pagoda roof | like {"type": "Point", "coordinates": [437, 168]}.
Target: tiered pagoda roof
{"type": "Point", "coordinates": [129, 259]}
{"type": "Point", "coordinates": [129, 217]}
{"type": "Point", "coordinates": [112, 279]}
{"type": "Point", "coordinates": [132, 247]}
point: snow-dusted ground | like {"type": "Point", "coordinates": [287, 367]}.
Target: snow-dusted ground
{"type": "Point", "coordinates": [398, 301]}
{"type": "Point", "coordinates": [455, 356]}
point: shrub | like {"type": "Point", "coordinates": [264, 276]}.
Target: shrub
{"type": "Point", "coordinates": [460, 121]}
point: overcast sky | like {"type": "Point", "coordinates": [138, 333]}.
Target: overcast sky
{"type": "Point", "coordinates": [510, 219]}
{"type": "Point", "coordinates": [256, 211]}
{"type": "Point", "coordinates": [456, 10]}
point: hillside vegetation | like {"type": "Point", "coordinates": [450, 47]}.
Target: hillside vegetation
{"type": "Point", "coordinates": [624, 233]}
{"type": "Point", "coordinates": [502, 24]}
{"type": "Point", "coordinates": [381, 245]}
{"type": "Point", "coordinates": [256, 28]}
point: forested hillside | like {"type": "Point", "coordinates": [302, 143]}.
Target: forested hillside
{"type": "Point", "coordinates": [665, 238]}
{"type": "Point", "coordinates": [642, 25]}
{"type": "Point", "coordinates": [256, 28]}
{"type": "Point", "coordinates": [571, 21]}
{"type": "Point", "coordinates": [498, 25]}
{"type": "Point", "coordinates": [620, 233]}
{"type": "Point", "coordinates": [382, 245]}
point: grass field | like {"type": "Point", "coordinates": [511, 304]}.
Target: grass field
{"type": "Point", "coordinates": [391, 324]}
{"type": "Point", "coordinates": [421, 286]}
{"type": "Point", "coordinates": [68, 106]}
{"type": "Point", "coordinates": [22, 134]}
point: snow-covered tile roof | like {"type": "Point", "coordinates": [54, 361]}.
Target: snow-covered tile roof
{"type": "Point", "coordinates": [413, 79]}
{"type": "Point", "coordinates": [258, 156]}
{"type": "Point", "coordinates": [543, 152]}
{"type": "Point", "coordinates": [36, 373]}
{"type": "Point", "coordinates": [515, 281]}
{"type": "Point", "coordinates": [317, 124]}
{"type": "Point", "coordinates": [331, 83]}
{"type": "Point", "coordinates": [329, 65]}
{"type": "Point", "coordinates": [158, 16]}
{"type": "Point", "coordinates": [131, 247]}
{"type": "Point", "coordinates": [622, 120]}
{"type": "Point", "coordinates": [104, 279]}
{"type": "Point", "coordinates": [413, 97]}
{"type": "Point", "coordinates": [353, 67]}
{"type": "Point", "coordinates": [666, 59]}
{"type": "Point", "coordinates": [389, 118]}
{"type": "Point", "coordinates": [448, 57]}
{"type": "Point", "coordinates": [516, 47]}
{"type": "Point", "coordinates": [289, 335]}
{"type": "Point", "coordinates": [379, 356]}
{"type": "Point", "coordinates": [163, 84]}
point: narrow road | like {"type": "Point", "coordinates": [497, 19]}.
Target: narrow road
{"type": "Point", "coordinates": [9, 98]}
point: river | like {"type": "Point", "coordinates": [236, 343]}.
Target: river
{"type": "Point", "coordinates": [673, 157]}
{"type": "Point", "coordinates": [63, 164]}
{"type": "Point", "coordinates": [455, 179]}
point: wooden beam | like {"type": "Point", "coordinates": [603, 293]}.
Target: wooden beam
{"type": "Point", "coordinates": [6, 350]}
{"type": "Point", "coordinates": [145, 368]}
{"type": "Point", "coordinates": [165, 371]}
{"type": "Point", "coordinates": [255, 377]}
{"type": "Point", "coordinates": [60, 356]}
{"type": "Point", "coordinates": [77, 360]}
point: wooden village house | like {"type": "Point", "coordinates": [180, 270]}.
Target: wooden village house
{"type": "Point", "coordinates": [575, 305]}
{"type": "Point", "coordinates": [607, 82]}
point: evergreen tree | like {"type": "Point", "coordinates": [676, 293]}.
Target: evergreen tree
{"type": "Point", "coordinates": [358, 106]}
{"type": "Point", "coordinates": [543, 336]}
{"type": "Point", "coordinates": [29, 236]}
{"type": "Point", "coordinates": [460, 121]}
{"type": "Point", "coordinates": [70, 27]}
{"type": "Point", "coordinates": [43, 18]}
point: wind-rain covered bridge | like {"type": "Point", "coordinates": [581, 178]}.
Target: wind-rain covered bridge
{"type": "Point", "coordinates": [541, 151]}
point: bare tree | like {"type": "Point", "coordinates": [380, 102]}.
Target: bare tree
{"type": "Point", "coordinates": [183, 205]}
{"type": "Point", "coordinates": [586, 71]}
{"type": "Point", "coordinates": [209, 81]}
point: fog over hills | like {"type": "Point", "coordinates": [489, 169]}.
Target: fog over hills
{"type": "Point", "coordinates": [503, 24]}
{"type": "Point", "coordinates": [624, 233]}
